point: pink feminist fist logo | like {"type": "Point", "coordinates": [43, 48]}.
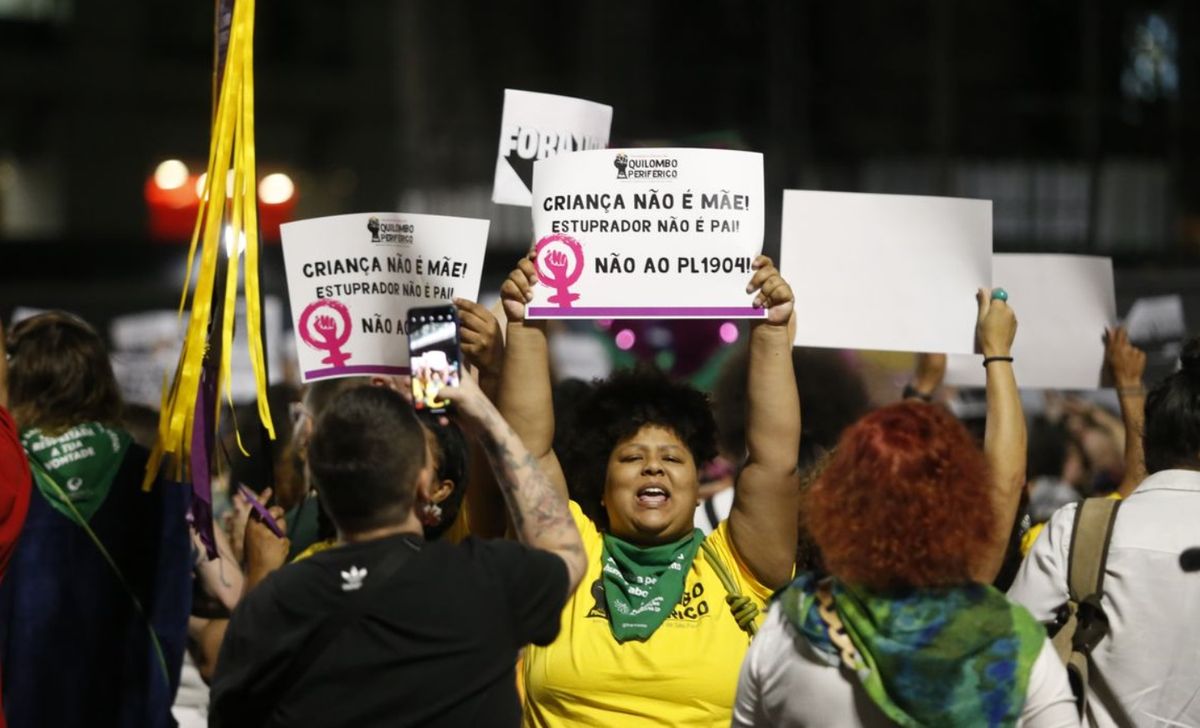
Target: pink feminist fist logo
{"type": "Point", "coordinates": [560, 266]}
{"type": "Point", "coordinates": [322, 333]}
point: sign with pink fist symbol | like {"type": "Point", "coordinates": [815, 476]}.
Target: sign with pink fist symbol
{"type": "Point", "coordinates": [352, 278]}
{"type": "Point", "coordinates": [647, 233]}
{"type": "Point", "coordinates": [322, 331]}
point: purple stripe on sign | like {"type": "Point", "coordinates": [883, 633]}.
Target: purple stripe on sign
{"type": "Point", "coordinates": [619, 312]}
{"type": "Point", "coordinates": [352, 371]}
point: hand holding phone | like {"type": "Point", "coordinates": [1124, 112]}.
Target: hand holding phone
{"type": "Point", "coordinates": [434, 356]}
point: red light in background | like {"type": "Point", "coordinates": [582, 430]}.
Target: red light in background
{"type": "Point", "coordinates": [173, 200]}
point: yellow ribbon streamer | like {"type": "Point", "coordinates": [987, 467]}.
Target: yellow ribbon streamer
{"type": "Point", "coordinates": [230, 153]}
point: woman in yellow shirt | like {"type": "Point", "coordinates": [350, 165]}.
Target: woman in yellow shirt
{"type": "Point", "coordinates": [656, 632]}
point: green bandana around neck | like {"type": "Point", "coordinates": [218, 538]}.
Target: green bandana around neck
{"type": "Point", "coordinates": [78, 465]}
{"type": "Point", "coordinates": [642, 584]}
{"type": "Point", "coordinates": [955, 656]}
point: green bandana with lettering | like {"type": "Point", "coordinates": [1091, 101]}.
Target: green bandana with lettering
{"type": "Point", "coordinates": [78, 464]}
{"type": "Point", "coordinates": [642, 584]}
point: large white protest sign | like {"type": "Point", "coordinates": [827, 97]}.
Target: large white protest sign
{"type": "Point", "coordinates": [536, 126]}
{"type": "Point", "coordinates": [1063, 304]}
{"type": "Point", "coordinates": [352, 278]}
{"type": "Point", "coordinates": [647, 233]}
{"type": "Point", "coordinates": [885, 272]}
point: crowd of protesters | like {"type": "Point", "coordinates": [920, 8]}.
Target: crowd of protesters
{"type": "Point", "coordinates": [625, 552]}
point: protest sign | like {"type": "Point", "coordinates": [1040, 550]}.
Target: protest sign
{"type": "Point", "coordinates": [647, 233]}
{"type": "Point", "coordinates": [145, 349]}
{"type": "Point", "coordinates": [1157, 326]}
{"type": "Point", "coordinates": [536, 126]}
{"type": "Point", "coordinates": [20, 313]}
{"type": "Point", "coordinates": [352, 278]}
{"type": "Point", "coordinates": [1155, 320]}
{"type": "Point", "coordinates": [1063, 304]}
{"type": "Point", "coordinates": [885, 272]}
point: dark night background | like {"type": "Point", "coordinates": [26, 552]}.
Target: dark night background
{"type": "Point", "coordinates": [1079, 118]}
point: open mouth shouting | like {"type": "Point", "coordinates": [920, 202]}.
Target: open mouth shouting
{"type": "Point", "coordinates": [653, 495]}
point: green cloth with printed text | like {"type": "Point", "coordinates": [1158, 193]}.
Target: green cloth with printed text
{"type": "Point", "coordinates": [79, 464]}
{"type": "Point", "coordinates": [642, 584]}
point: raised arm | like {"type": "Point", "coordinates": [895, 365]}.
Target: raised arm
{"type": "Point", "coordinates": [763, 522]}
{"type": "Point", "coordinates": [483, 348]}
{"type": "Point", "coordinates": [1127, 363]}
{"type": "Point", "coordinates": [1004, 443]}
{"type": "Point", "coordinates": [539, 511]}
{"type": "Point", "coordinates": [526, 394]}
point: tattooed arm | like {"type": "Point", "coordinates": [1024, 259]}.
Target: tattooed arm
{"type": "Point", "coordinates": [538, 509]}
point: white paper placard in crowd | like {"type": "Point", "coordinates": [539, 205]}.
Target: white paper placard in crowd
{"type": "Point", "coordinates": [885, 272]}
{"type": "Point", "coordinates": [1156, 319]}
{"type": "Point", "coordinates": [535, 126]}
{"type": "Point", "coordinates": [1063, 304]}
{"type": "Point", "coordinates": [352, 279]}
{"type": "Point", "coordinates": [145, 349]}
{"type": "Point", "coordinates": [647, 233]}
{"type": "Point", "coordinates": [20, 313]}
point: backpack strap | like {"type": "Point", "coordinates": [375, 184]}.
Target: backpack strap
{"type": "Point", "coordinates": [1085, 622]}
{"type": "Point", "coordinates": [1090, 538]}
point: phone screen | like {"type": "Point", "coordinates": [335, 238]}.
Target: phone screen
{"type": "Point", "coordinates": [433, 355]}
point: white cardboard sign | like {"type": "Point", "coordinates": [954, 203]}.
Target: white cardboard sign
{"type": "Point", "coordinates": [885, 272]}
{"type": "Point", "coordinates": [536, 126]}
{"type": "Point", "coordinates": [146, 349]}
{"type": "Point", "coordinates": [1063, 304]}
{"type": "Point", "coordinates": [353, 278]}
{"type": "Point", "coordinates": [647, 233]}
{"type": "Point", "coordinates": [1153, 320]}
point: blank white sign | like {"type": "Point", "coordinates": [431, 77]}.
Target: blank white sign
{"type": "Point", "coordinates": [886, 272]}
{"type": "Point", "coordinates": [1063, 304]}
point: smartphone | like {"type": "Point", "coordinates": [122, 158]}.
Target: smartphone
{"type": "Point", "coordinates": [434, 357]}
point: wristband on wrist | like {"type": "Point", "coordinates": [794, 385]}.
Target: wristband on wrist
{"type": "Point", "coordinates": [989, 359]}
{"type": "Point", "coordinates": [911, 392]}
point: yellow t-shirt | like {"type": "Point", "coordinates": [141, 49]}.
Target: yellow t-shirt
{"type": "Point", "coordinates": [684, 675]}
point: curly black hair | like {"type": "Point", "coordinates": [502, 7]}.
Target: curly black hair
{"type": "Point", "coordinates": [615, 409]}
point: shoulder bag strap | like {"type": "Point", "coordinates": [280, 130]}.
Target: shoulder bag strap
{"type": "Point", "coordinates": [1090, 538]}
{"type": "Point", "coordinates": [1087, 623]}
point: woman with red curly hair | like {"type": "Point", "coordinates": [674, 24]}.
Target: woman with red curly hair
{"type": "Point", "coordinates": [911, 520]}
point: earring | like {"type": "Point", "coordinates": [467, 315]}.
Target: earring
{"type": "Point", "coordinates": [431, 514]}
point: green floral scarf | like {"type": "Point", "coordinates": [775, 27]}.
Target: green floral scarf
{"type": "Point", "coordinates": [956, 656]}
{"type": "Point", "coordinates": [643, 584]}
{"type": "Point", "coordinates": [79, 464]}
